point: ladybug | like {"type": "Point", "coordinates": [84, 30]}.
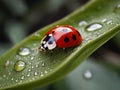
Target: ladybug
{"type": "Point", "coordinates": [62, 37]}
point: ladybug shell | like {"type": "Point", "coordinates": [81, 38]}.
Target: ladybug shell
{"type": "Point", "coordinates": [65, 36]}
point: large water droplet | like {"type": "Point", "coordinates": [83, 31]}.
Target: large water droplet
{"type": "Point", "coordinates": [94, 27]}
{"type": "Point", "coordinates": [82, 23]}
{"type": "Point", "coordinates": [87, 74]}
{"type": "Point", "coordinates": [117, 9]}
{"type": "Point", "coordinates": [24, 51]}
{"type": "Point", "coordinates": [19, 65]}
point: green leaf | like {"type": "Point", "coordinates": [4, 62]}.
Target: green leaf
{"type": "Point", "coordinates": [34, 68]}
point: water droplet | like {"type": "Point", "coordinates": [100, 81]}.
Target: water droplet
{"type": "Point", "coordinates": [46, 71]}
{"type": "Point", "coordinates": [19, 65]}
{"type": "Point", "coordinates": [32, 67]}
{"type": "Point", "coordinates": [33, 78]}
{"type": "Point", "coordinates": [41, 75]}
{"type": "Point", "coordinates": [28, 75]}
{"type": "Point", "coordinates": [82, 23]}
{"type": "Point", "coordinates": [36, 73]}
{"type": "Point", "coordinates": [87, 74]}
{"type": "Point", "coordinates": [29, 70]}
{"type": "Point", "coordinates": [16, 80]}
{"type": "Point", "coordinates": [110, 22]}
{"type": "Point", "coordinates": [43, 64]}
{"type": "Point", "coordinates": [24, 51]}
{"type": "Point", "coordinates": [104, 20]}
{"type": "Point", "coordinates": [22, 77]}
{"type": "Point", "coordinates": [4, 76]}
{"type": "Point", "coordinates": [94, 27]}
{"type": "Point", "coordinates": [32, 58]}
{"type": "Point", "coordinates": [7, 63]}
{"type": "Point", "coordinates": [117, 9]}
{"type": "Point", "coordinates": [37, 65]}
{"type": "Point", "coordinates": [12, 79]}
{"type": "Point", "coordinates": [37, 34]}
{"type": "Point", "coordinates": [9, 73]}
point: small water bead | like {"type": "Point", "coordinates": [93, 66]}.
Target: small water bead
{"type": "Point", "coordinates": [16, 80]}
{"type": "Point", "coordinates": [37, 65]}
{"type": "Point", "coordinates": [7, 63]}
{"type": "Point", "coordinates": [29, 70]}
{"type": "Point", "coordinates": [82, 23]}
{"type": "Point", "coordinates": [110, 22]}
{"type": "Point", "coordinates": [37, 34]}
{"type": "Point", "coordinates": [32, 67]}
{"type": "Point", "coordinates": [33, 78]}
{"type": "Point", "coordinates": [36, 73]}
{"type": "Point", "coordinates": [22, 77]}
{"type": "Point", "coordinates": [104, 20]}
{"type": "Point", "coordinates": [24, 51]}
{"type": "Point", "coordinates": [19, 65]}
{"type": "Point", "coordinates": [41, 75]}
{"type": "Point", "coordinates": [32, 58]}
{"type": "Point", "coordinates": [88, 74]}
{"type": "Point", "coordinates": [28, 75]}
{"type": "Point", "coordinates": [9, 73]}
{"type": "Point", "coordinates": [46, 71]}
{"type": "Point", "coordinates": [12, 79]}
{"type": "Point", "coordinates": [4, 76]}
{"type": "Point", "coordinates": [117, 9]}
{"type": "Point", "coordinates": [43, 64]}
{"type": "Point", "coordinates": [94, 27]}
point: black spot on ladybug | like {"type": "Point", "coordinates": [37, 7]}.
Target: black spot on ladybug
{"type": "Point", "coordinates": [66, 39]}
{"type": "Point", "coordinates": [74, 37]}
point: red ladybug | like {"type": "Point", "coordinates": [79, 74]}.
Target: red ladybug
{"type": "Point", "coordinates": [62, 37]}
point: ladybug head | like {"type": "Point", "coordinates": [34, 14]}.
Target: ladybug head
{"type": "Point", "coordinates": [48, 43]}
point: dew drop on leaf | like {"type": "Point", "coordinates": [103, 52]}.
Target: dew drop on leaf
{"type": "Point", "coordinates": [82, 23]}
{"type": "Point", "coordinates": [94, 27]}
{"type": "Point", "coordinates": [32, 58]}
{"type": "Point", "coordinates": [36, 73]}
{"type": "Point", "coordinates": [28, 75]}
{"type": "Point", "coordinates": [7, 63]}
{"type": "Point", "coordinates": [43, 64]}
{"type": "Point", "coordinates": [104, 20]}
{"type": "Point", "coordinates": [19, 65]}
{"type": "Point", "coordinates": [110, 22]}
{"type": "Point", "coordinates": [24, 51]}
{"type": "Point", "coordinates": [87, 74]}
{"type": "Point", "coordinates": [22, 77]}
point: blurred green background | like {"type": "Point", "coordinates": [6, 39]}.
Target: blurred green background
{"type": "Point", "coordinates": [20, 18]}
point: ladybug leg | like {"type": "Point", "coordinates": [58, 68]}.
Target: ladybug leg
{"type": "Point", "coordinates": [65, 50]}
{"type": "Point", "coordinates": [39, 48]}
{"type": "Point", "coordinates": [51, 52]}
